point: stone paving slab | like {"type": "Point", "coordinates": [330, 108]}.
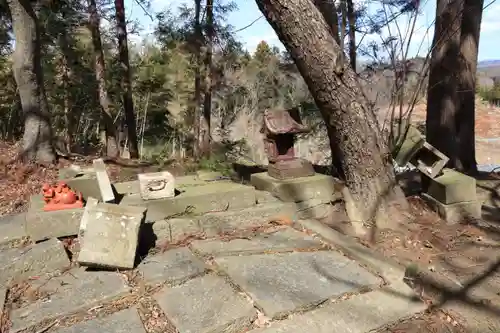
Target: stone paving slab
{"type": "Point", "coordinates": [282, 283]}
{"type": "Point", "coordinates": [12, 227]}
{"type": "Point", "coordinates": [213, 224]}
{"type": "Point", "coordinates": [215, 196]}
{"type": "Point", "coordinates": [358, 314]}
{"type": "Point", "coordinates": [73, 291]}
{"type": "Point", "coordinates": [173, 266]}
{"type": "Point", "coordinates": [37, 259]}
{"type": "Point", "coordinates": [281, 241]}
{"type": "Point", "coordinates": [125, 321]}
{"type": "Point", "coordinates": [206, 304]}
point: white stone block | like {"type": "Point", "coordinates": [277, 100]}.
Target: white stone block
{"type": "Point", "coordinates": [156, 185]}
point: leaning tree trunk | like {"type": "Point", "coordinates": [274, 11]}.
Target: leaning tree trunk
{"type": "Point", "coordinates": [198, 37]}
{"type": "Point", "coordinates": [442, 102]}
{"type": "Point", "coordinates": [207, 101]}
{"type": "Point", "coordinates": [37, 139]}
{"type": "Point", "coordinates": [329, 11]}
{"type": "Point", "coordinates": [110, 135]}
{"type": "Point", "coordinates": [128, 103]}
{"type": "Point", "coordinates": [364, 157]}
{"type": "Point", "coordinates": [465, 120]}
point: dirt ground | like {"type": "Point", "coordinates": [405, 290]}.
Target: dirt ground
{"type": "Point", "coordinates": [462, 249]}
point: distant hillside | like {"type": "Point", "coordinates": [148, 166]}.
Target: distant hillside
{"type": "Point", "coordinates": [488, 63]}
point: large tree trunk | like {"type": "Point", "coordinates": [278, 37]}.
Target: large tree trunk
{"type": "Point", "coordinates": [128, 103]}
{"type": "Point", "coordinates": [110, 134]}
{"type": "Point", "coordinates": [329, 11]}
{"type": "Point", "coordinates": [198, 37]}
{"type": "Point", "coordinates": [442, 102]}
{"type": "Point", "coordinates": [364, 157]}
{"type": "Point", "coordinates": [207, 102]}
{"type": "Point", "coordinates": [37, 140]}
{"type": "Point", "coordinates": [465, 120]}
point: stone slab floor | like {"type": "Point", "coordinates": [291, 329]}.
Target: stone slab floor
{"type": "Point", "coordinates": [279, 280]}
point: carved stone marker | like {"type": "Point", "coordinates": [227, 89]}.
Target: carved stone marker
{"type": "Point", "coordinates": [111, 235]}
{"type": "Point", "coordinates": [156, 185]}
{"type": "Point", "coordinates": [281, 128]}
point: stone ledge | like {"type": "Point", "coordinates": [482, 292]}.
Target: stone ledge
{"type": "Point", "coordinates": [456, 212]}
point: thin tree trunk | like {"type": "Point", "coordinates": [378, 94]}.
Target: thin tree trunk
{"type": "Point", "coordinates": [351, 19]}
{"type": "Point", "coordinates": [364, 156]}
{"type": "Point", "coordinates": [109, 135]}
{"type": "Point", "coordinates": [465, 119]}
{"type": "Point", "coordinates": [207, 103]}
{"type": "Point", "coordinates": [442, 102]}
{"type": "Point", "coordinates": [329, 12]}
{"type": "Point", "coordinates": [67, 79]}
{"type": "Point", "coordinates": [197, 80]}
{"type": "Point", "coordinates": [37, 139]}
{"type": "Point", "coordinates": [128, 103]}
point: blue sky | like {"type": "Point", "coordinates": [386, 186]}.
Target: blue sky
{"type": "Point", "coordinates": [248, 11]}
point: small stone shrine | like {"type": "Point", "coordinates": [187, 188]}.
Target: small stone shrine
{"type": "Point", "coordinates": [280, 128]}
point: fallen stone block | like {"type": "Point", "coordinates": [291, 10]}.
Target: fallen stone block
{"type": "Point", "coordinates": [215, 196]}
{"type": "Point", "coordinates": [455, 212]}
{"type": "Point", "coordinates": [12, 228]}
{"type": "Point", "coordinates": [71, 292]}
{"type": "Point", "coordinates": [125, 321]}
{"type": "Point", "coordinates": [74, 171]}
{"type": "Point", "coordinates": [156, 185]}
{"type": "Point", "coordinates": [41, 225]}
{"type": "Point", "coordinates": [89, 207]}
{"type": "Point", "coordinates": [172, 267]}
{"type": "Point", "coordinates": [206, 304]}
{"type": "Point", "coordinates": [452, 187]}
{"type": "Point", "coordinates": [87, 185]}
{"type": "Point", "coordinates": [429, 160]}
{"type": "Point", "coordinates": [130, 187]}
{"type": "Point", "coordinates": [105, 188]}
{"type": "Point", "coordinates": [37, 259]}
{"type": "Point", "coordinates": [264, 197]}
{"type": "Point", "coordinates": [289, 282]}
{"type": "Point", "coordinates": [318, 187]}
{"type": "Point", "coordinates": [111, 236]}
{"type": "Point", "coordinates": [286, 240]}
{"type": "Point", "coordinates": [412, 142]}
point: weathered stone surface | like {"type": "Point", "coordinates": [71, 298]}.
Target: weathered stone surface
{"type": "Point", "coordinates": [90, 205]}
{"type": "Point", "coordinates": [12, 227]}
{"type": "Point", "coordinates": [105, 188]}
{"type": "Point", "coordinates": [281, 241]}
{"type": "Point", "coordinates": [413, 141]}
{"type": "Point", "coordinates": [3, 298]}
{"type": "Point", "coordinates": [73, 291]}
{"type": "Point", "coordinates": [358, 314]}
{"type": "Point", "coordinates": [319, 187]}
{"type": "Point", "coordinates": [37, 259]}
{"type": "Point", "coordinates": [173, 266]}
{"type": "Point", "coordinates": [111, 236]}
{"type": "Point", "coordinates": [86, 184]}
{"type": "Point", "coordinates": [74, 171]}
{"type": "Point", "coordinates": [207, 175]}
{"type": "Point", "coordinates": [283, 283]}
{"type": "Point", "coordinates": [129, 187]}
{"type": "Point", "coordinates": [457, 212]}
{"type": "Point", "coordinates": [174, 230]}
{"type": "Point", "coordinates": [313, 209]}
{"type": "Point", "coordinates": [125, 321]}
{"type": "Point", "coordinates": [206, 305]}
{"type": "Point", "coordinates": [429, 160]}
{"type": "Point", "coordinates": [215, 196]}
{"type": "Point", "coordinates": [452, 187]}
{"type": "Point", "coordinates": [156, 185]}
{"type": "Point", "coordinates": [264, 197]}
{"type": "Point", "coordinates": [41, 225]}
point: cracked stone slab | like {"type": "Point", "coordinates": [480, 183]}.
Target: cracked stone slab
{"type": "Point", "coordinates": [37, 259]}
{"type": "Point", "coordinates": [358, 314]}
{"type": "Point", "coordinates": [281, 241]}
{"type": "Point", "coordinates": [12, 227]}
{"type": "Point", "coordinates": [125, 321]}
{"type": "Point", "coordinates": [73, 291]}
{"type": "Point", "coordinates": [173, 266]}
{"type": "Point", "coordinates": [287, 282]}
{"type": "Point", "coordinates": [206, 304]}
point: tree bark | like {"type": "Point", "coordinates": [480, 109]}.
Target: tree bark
{"type": "Point", "coordinates": [364, 156]}
{"type": "Point", "coordinates": [37, 139]}
{"type": "Point", "coordinates": [465, 120]}
{"type": "Point", "coordinates": [197, 79]}
{"type": "Point", "coordinates": [110, 134]}
{"type": "Point", "coordinates": [329, 12]}
{"type": "Point", "coordinates": [128, 103]}
{"type": "Point", "coordinates": [442, 102]}
{"type": "Point", "coordinates": [207, 102]}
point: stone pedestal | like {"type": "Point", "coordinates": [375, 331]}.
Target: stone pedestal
{"type": "Point", "coordinates": [456, 212]}
{"type": "Point", "coordinates": [289, 169]}
{"type": "Point", "coordinates": [156, 185]}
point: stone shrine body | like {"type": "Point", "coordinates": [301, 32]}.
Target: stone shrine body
{"type": "Point", "coordinates": [281, 128]}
